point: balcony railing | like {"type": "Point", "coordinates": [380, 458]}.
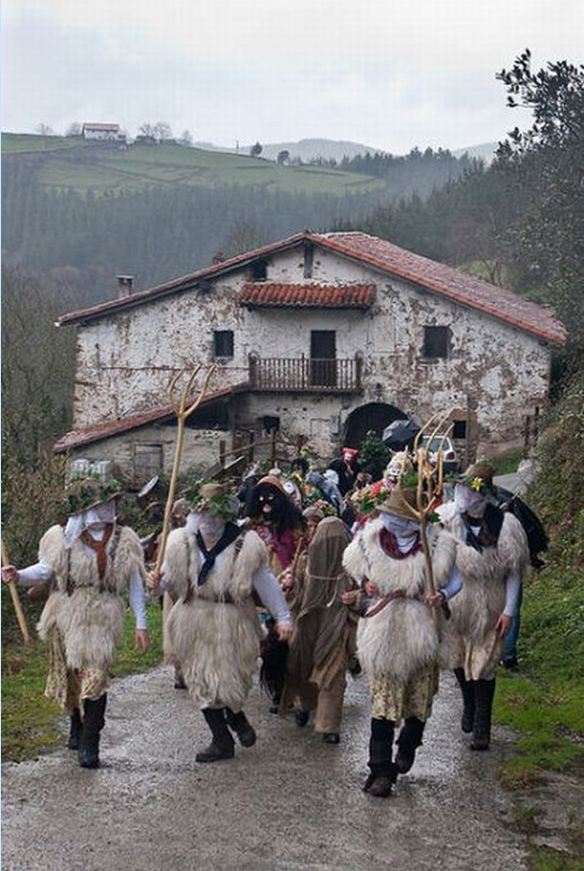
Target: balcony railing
{"type": "Point", "coordinates": [303, 374]}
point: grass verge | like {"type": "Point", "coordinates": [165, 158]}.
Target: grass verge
{"type": "Point", "coordinates": [544, 701]}
{"type": "Point", "coordinates": [30, 722]}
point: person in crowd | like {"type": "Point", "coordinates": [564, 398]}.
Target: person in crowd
{"type": "Point", "coordinates": [89, 563]}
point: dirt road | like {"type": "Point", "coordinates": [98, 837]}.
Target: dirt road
{"type": "Point", "coordinates": [291, 802]}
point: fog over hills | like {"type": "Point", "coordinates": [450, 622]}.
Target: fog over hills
{"type": "Point", "coordinates": [305, 149]}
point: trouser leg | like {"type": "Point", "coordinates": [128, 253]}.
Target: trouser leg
{"type": "Point", "coordinates": [241, 726]}
{"type": "Point", "coordinates": [221, 747]}
{"type": "Point", "coordinates": [484, 695]}
{"type": "Point", "coordinates": [329, 707]}
{"type": "Point", "coordinates": [410, 738]}
{"type": "Point", "coordinates": [93, 723]}
{"type": "Point", "coordinates": [468, 698]}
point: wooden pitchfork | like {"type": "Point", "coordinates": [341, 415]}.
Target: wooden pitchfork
{"type": "Point", "coordinates": [182, 410]}
{"type": "Point", "coordinates": [15, 600]}
{"type": "Point", "coordinates": [428, 488]}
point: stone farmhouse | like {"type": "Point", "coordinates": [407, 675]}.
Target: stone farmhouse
{"type": "Point", "coordinates": [322, 336]}
{"type": "Point", "coordinates": [102, 132]}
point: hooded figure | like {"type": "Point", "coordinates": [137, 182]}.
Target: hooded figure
{"type": "Point", "coordinates": [214, 566]}
{"type": "Point", "coordinates": [398, 640]}
{"type": "Point", "coordinates": [492, 557]}
{"type": "Point", "coordinates": [89, 563]}
{"type": "Point", "coordinates": [320, 646]}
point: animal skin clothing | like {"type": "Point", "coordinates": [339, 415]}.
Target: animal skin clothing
{"type": "Point", "coordinates": [213, 627]}
{"type": "Point", "coordinates": [399, 647]}
{"type": "Point", "coordinates": [491, 580]}
{"type": "Point", "coordinates": [83, 616]}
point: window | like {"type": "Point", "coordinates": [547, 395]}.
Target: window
{"type": "Point", "coordinates": [436, 342]}
{"type": "Point", "coordinates": [223, 343]}
{"type": "Point", "coordinates": [259, 270]}
{"type": "Point", "coordinates": [459, 429]}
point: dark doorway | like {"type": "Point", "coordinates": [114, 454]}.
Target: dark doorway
{"type": "Point", "coordinates": [373, 415]}
{"type": "Point", "coordinates": [323, 353]}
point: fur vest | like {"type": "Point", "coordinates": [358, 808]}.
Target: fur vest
{"type": "Point", "coordinates": [212, 629]}
{"type": "Point", "coordinates": [402, 638]}
{"type": "Point", "coordinates": [481, 601]}
{"type": "Point", "coordinates": [86, 609]}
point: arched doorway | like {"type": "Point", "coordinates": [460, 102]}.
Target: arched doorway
{"type": "Point", "coordinates": [372, 415]}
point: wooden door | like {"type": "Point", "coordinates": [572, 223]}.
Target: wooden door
{"type": "Point", "coordinates": [323, 355]}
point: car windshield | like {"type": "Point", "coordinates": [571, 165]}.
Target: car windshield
{"type": "Point", "coordinates": [435, 444]}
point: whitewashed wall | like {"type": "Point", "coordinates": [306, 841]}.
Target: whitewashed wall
{"type": "Point", "coordinates": [124, 363]}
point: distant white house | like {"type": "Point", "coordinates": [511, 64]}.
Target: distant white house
{"type": "Point", "coordinates": [102, 132]}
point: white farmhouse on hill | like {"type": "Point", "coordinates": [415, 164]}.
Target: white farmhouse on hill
{"type": "Point", "coordinates": [320, 335]}
{"type": "Point", "coordinates": [102, 132]}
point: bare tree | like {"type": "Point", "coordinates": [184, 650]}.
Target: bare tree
{"type": "Point", "coordinates": [44, 130]}
{"type": "Point", "coordinates": [162, 131]}
{"type": "Point", "coordinates": [73, 129]}
{"type": "Point", "coordinates": [283, 156]}
{"type": "Point", "coordinates": [147, 130]}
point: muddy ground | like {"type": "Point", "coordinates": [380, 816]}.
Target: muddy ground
{"type": "Point", "coordinates": [291, 802]}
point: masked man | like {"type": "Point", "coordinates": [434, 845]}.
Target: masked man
{"type": "Point", "coordinates": [492, 556]}
{"type": "Point", "coordinates": [89, 564]}
{"type": "Point", "coordinates": [398, 638]}
{"type": "Point", "coordinates": [215, 566]}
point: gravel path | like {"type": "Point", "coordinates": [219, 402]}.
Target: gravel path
{"type": "Point", "coordinates": [291, 802]}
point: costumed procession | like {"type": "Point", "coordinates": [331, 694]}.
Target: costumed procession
{"type": "Point", "coordinates": [297, 578]}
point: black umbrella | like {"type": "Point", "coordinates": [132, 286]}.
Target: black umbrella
{"type": "Point", "coordinates": [400, 434]}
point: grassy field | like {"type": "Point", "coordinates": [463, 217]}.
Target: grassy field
{"type": "Point", "coordinates": [32, 724]}
{"type": "Point", "coordinates": [102, 169]}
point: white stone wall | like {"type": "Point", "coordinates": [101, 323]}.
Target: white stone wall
{"type": "Point", "coordinates": [124, 363]}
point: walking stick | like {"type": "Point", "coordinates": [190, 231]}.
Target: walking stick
{"type": "Point", "coordinates": [15, 600]}
{"type": "Point", "coordinates": [182, 411]}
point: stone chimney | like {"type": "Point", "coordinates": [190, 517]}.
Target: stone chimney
{"type": "Point", "coordinates": [125, 285]}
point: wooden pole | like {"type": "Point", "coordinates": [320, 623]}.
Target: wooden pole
{"type": "Point", "coordinates": [15, 600]}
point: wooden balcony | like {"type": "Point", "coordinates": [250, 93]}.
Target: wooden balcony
{"type": "Point", "coordinates": [305, 375]}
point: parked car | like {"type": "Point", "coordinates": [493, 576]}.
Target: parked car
{"type": "Point", "coordinates": [451, 461]}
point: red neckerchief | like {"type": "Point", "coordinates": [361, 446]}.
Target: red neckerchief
{"type": "Point", "coordinates": [98, 546]}
{"type": "Point", "coordinates": [389, 545]}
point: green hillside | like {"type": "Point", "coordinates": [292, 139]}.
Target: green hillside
{"type": "Point", "coordinates": [70, 164]}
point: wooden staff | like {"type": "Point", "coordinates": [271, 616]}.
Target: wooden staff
{"type": "Point", "coordinates": [15, 600]}
{"type": "Point", "coordinates": [182, 411]}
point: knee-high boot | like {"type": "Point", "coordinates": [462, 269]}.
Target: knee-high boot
{"type": "Point", "coordinates": [75, 729]}
{"type": "Point", "coordinates": [383, 771]}
{"type": "Point", "coordinates": [468, 698]}
{"type": "Point", "coordinates": [93, 723]}
{"type": "Point", "coordinates": [221, 747]}
{"type": "Point", "coordinates": [239, 724]}
{"type": "Point", "coordinates": [484, 695]}
{"type": "Point", "coordinates": [410, 738]}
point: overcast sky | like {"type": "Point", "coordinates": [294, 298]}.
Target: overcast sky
{"type": "Point", "coordinates": [387, 73]}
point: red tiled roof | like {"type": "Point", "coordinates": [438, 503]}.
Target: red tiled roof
{"type": "Point", "coordinates": [269, 293]}
{"type": "Point", "coordinates": [382, 255]}
{"type": "Point", "coordinates": [449, 282]}
{"type": "Point", "coordinates": [79, 437]}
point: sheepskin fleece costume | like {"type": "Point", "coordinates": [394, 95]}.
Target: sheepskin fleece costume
{"type": "Point", "coordinates": [401, 640]}
{"type": "Point", "coordinates": [473, 642]}
{"type": "Point", "coordinates": [216, 641]}
{"type": "Point", "coordinates": [87, 610]}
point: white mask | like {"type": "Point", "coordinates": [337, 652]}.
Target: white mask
{"type": "Point", "coordinates": [468, 501]}
{"type": "Point", "coordinates": [401, 527]}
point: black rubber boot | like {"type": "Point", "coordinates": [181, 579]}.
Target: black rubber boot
{"type": "Point", "coordinates": [301, 718]}
{"type": "Point", "coordinates": [410, 738]}
{"type": "Point", "coordinates": [221, 747]}
{"type": "Point", "coordinates": [93, 723]}
{"type": "Point", "coordinates": [239, 724]}
{"type": "Point", "coordinates": [484, 695]}
{"type": "Point", "coordinates": [179, 681]}
{"type": "Point", "coordinates": [75, 730]}
{"type": "Point", "coordinates": [468, 698]}
{"type": "Point", "coordinates": [383, 772]}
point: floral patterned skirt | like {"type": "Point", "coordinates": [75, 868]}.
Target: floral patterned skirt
{"type": "Point", "coordinates": [70, 687]}
{"type": "Point", "coordinates": [395, 701]}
